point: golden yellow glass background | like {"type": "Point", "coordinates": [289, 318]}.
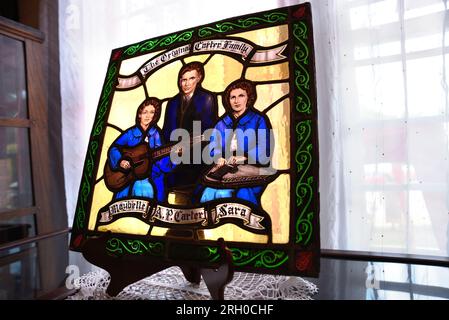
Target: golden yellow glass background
{"type": "Point", "coordinates": [266, 37]}
{"type": "Point", "coordinates": [124, 106]}
{"type": "Point", "coordinates": [220, 70]}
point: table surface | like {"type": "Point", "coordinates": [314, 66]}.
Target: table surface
{"type": "Point", "coordinates": [362, 280]}
{"type": "Point", "coordinates": [170, 284]}
{"type": "Point", "coordinates": [339, 279]}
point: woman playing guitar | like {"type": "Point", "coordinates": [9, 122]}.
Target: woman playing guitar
{"type": "Point", "coordinates": [127, 171]}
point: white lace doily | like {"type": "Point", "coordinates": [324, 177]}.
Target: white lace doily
{"type": "Point", "coordinates": [170, 284]}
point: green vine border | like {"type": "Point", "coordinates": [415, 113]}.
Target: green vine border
{"type": "Point", "coordinates": [149, 45]}
{"type": "Point", "coordinates": [118, 247]}
{"type": "Point", "coordinates": [273, 17]}
{"type": "Point", "coordinates": [304, 153]}
{"type": "Point", "coordinates": [146, 46]}
{"type": "Point", "coordinates": [269, 259]}
{"type": "Point", "coordinates": [304, 184]}
{"type": "Point", "coordinates": [210, 254]}
{"type": "Point", "coordinates": [99, 122]}
{"type": "Point", "coordinates": [303, 103]}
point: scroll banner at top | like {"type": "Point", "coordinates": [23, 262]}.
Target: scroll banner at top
{"type": "Point", "coordinates": [238, 48]}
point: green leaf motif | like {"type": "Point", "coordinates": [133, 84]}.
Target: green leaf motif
{"type": "Point", "coordinates": [162, 42]}
{"type": "Point", "coordinates": [304, 184]}
{"type": "Point", "coordinates": [303, 134]}
{"type": "Point", "coordinates": [92, 151]}
{"type": "Point", "coordinates": [104, 102]}
{"type": "Point", "coordinates": [310, 180]}
{"type": "Point", "coordinates": [210, 254]}
{"type": "Point", "coordinates": [301, 55]}
{"type": "Point", "coordinates": [300, 31]}
{"type": "Point", "coordinates": [80, 214]}
{"type": "Point", "coordinates": [304, 229]}
{"type": "Point", "coordinates": [303, 162]}
{"type": "Point", "coordinates": [259, 258]}
{"type": "Point", "coordinates": [303, 155]}
{"type": "Point", "coordinates": [302, 76]}
{"type": "Point", "coordinates": [86, 184]}
{"type": "Point", "coordinates": [302, 80]}
{"type": "Point", "coordinates": [304, 195]}
{"type": "Point", "coordinates": [242, 24]}
{"type": "Point", "coordinates": [118, 247]}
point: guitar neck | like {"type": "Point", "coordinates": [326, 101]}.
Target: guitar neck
{"type": "Point", "coordinates": [162, 152]}
{"type": "Point", "coordinates": [165, 151]}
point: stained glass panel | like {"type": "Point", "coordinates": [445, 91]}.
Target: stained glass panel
{"type": "Point", "coordinates": [204, 134]}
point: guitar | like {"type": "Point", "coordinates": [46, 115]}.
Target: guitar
{"type": "Point", "coordinates": [140, 158]}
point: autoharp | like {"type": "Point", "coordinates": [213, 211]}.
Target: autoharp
{"type": "Point", "coordinates": [240, 175]}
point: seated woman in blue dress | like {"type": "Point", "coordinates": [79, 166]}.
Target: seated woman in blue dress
{"type": "Point", "coordinates": [231, 137]}
{"type": "Point", "coordinates": [144, 132]}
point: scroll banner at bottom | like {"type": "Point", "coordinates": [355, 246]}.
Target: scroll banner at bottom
{"type": "Point", "coordinates": [202, 217]}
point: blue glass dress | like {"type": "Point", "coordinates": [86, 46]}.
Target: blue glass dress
{"type": "Point", "coordinates": [257, 154]}
{"type": "Point", "coordinates": [153, 187]}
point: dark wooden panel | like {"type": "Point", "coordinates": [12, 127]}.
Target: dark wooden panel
{"type": "Point", "coordinates": [57, 187]}
{"type": "Point", "coordinates": [20, 31]}
{"type": "Point", "coordinates": [52, 213]}
{"type": "Point", "coordinates": [21, 123]}
{"type": "Point", "coordinates": [35, 239]}
{"type": "Point", "coordinates": [29, 12]}
{"type": "Point", "coordinates": [44, 102]}
{"type": "Point", "coordinates": [37, 102]}
{"type": "Point", "coordinates": [10, 214]}
{"type": "Point", "coordinates": [6, 260]}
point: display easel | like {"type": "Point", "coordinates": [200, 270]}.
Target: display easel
{"type": "Point", "coordinates": [125, 270]}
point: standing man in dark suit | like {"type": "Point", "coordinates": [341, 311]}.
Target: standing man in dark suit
{"type": "Point", "coordinates": [192, 103]}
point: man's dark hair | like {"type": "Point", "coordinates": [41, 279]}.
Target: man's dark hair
{"type": "Point", "coordinates": [195, 65]}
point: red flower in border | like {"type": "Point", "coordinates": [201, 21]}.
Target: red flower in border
{"type": "Point", "coordinates": [77, 242]}
{"type": "Point", "coordinates": [300, 12]}
{"type": "Point", "coordinates": [304, 260]}
{"type": "Point", "coordinates": [117, 55]}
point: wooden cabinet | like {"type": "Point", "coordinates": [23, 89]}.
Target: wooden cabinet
{"type": "Point", "coordinates": [32, 199]}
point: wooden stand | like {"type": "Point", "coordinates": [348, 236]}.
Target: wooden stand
{"type": "Point", "coordinates": [127, 270]}
{"type": "Point", "coordinates": [217, 279]}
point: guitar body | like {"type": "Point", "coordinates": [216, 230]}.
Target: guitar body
{"type": "Point", "coordinates": [139, 157]}
{"type": "Point", "coordinates": [116, 180]}
{"type": "Point", "coordinates": [140, 160]}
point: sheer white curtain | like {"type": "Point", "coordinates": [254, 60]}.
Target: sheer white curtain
{"type": "Point", "coordinates": [393, 108]}
{"type": "Point", "coordinates": [382, 104]}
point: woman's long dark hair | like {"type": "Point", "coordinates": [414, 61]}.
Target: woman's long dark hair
{"type": "Point", "coordinates": [156, 103]}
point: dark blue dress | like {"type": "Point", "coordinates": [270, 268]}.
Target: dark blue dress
{"type": "Point", "coordinates": [144, 187]}
{"type": "Point", "coordinates": [257, 153]}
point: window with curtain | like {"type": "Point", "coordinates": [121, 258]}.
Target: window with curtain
{"type": "Point", "coordinates": [382, 104]}
{"type": "Point", "coordinates": [393, 108]}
